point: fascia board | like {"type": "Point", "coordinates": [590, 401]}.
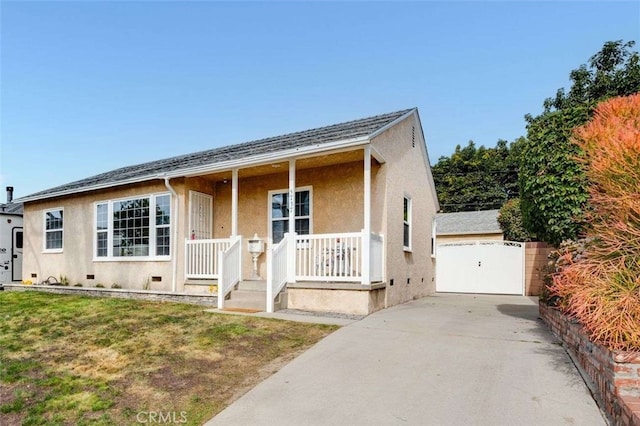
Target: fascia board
{"type": "Point", "coordinates": [449, 234]}
{"type": "Point", "coordinates": [88, 188]}
{"type": "Point", "coordinates": [393, 123]}
{"type": "Point", "coordinates": [258, 160]}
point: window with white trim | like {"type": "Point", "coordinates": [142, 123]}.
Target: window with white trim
{"type": "Point", "coordinates": [53, 230]}
{"type": "Point", "coordinates": [279, 213]}
{"type": "Point", "coordinates": [133, 228]}
{"type": "Point", "coordinates": [406, 234]}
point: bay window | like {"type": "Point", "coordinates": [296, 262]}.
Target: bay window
{"type": "Point", "coordinates": [133, 228]}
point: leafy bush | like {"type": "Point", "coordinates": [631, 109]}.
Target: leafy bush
{"type": "Point", "coordinates": [510, 220]}
{"type": "Point", "coordinates": [116, 285]}
{"type": "Point", "coordinates": [601, 288]}
{"type": "Point", "coordinates": [568, 253]}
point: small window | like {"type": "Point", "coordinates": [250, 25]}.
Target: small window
{"type": "Point", "coordinates": [19, 239]}
{"type": "Point", "coordinates": [406, 235]}
{"type": "Point", "coordinates": [53, 230]}
{"type": "Point", "coordinates": [433, 237]}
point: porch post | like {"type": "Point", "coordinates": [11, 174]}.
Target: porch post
{"type": "Point", "coordinates": [291, 244]}
{"type": "Point", "coordinates": [234, 202]}
{"type": "Point", "coordinates": [366, 231]}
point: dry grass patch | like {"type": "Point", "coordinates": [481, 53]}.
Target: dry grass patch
{"type": "Point", "coordinates": [77, 360]}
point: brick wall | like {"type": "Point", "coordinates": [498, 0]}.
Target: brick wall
{"type": "Point", "coordinates": [195, 299]}
{"type": "Point", "coordinates": [613, 377]}
{"type": "Point", "coordinates": [535, 259]}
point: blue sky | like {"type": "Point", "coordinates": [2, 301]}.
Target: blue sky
{"type": "Point", "coordinates": [90, 86]}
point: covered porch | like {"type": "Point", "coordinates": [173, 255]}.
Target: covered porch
{"type": "Point", "coordinates": [324, 248]}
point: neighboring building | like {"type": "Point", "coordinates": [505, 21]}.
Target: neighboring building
{"type": "Point", "coordinates": [466, 226]}
{"type": "Point", "coordinates": [11, 239]}
{"type": "Point", "coordinates": [363, 198]}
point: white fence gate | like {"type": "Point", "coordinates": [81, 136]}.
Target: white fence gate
{"type": "Point", "coordinates": [495, 267]}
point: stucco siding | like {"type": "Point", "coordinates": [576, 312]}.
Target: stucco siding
{"type": "Point", "coordinates": [340, 301]}
{"type": "Point", "coordinates": [76, 259]}
{"type": "Point", "coordinates": [409, 274]}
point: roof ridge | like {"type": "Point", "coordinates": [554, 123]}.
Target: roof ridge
{"type": "Point", "coordinates": [284, 135]}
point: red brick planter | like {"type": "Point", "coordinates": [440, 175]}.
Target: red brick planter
{"type": "Point", "coordinates": [614, 376]}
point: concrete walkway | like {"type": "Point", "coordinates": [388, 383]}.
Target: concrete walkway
{"type": "Point", "coordinates": [442, 360]}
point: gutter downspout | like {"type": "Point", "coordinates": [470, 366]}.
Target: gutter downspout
{"type": "Point", "coordinates": [174, 251]}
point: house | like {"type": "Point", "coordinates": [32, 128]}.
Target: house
{"type": "Point", "coordinates": [358, 195]}
{"type": "Point", "coordinates": [11, 240]}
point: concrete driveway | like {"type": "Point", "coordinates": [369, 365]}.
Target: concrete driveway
{"type": "Point", "coordinates": [442, 360]}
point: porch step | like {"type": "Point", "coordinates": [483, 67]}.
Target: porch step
{"type": "Point", "coordinates": [252, 285]}
{"type": "Point", "coordinates": [248, 298]}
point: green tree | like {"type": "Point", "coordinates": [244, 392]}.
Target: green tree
{"type": "Point", "coordinates": [510, 220]}
{"type": "Point", "coordinates": [553, 186]}
{"type": "Point", "coordinates": [477, 178]}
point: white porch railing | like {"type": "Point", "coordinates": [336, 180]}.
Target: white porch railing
{"type": "Point", "coordinates": [201, 257]}
{"type": "Point", "coordinates": [230, 264]}
{"type": "Point", "coordinates": [337, 257]}
{"type": "Point", "coordinates": [276, 270]}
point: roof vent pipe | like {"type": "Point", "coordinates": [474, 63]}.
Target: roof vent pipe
{"type": "Point", "coordinates": [9, 194]}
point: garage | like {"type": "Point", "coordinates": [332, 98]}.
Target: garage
{"type": "Point", "coordinates": [472, 256]}
{"type": "Point", "coordinates": [493, 267]}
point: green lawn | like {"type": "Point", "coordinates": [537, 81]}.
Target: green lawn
{"type": "Point", "coordinates": [80, 360]}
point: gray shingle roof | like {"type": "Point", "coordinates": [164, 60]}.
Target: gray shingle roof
{"type": "Point", "coordinates": [11, 208]}
{"type": "Point", "coordinates": [478, 222]}
{"type": "Point", "coordinates": [334, 133]}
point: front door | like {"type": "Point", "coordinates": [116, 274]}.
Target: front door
{"type": "Point", "coordinates": [16, 254]}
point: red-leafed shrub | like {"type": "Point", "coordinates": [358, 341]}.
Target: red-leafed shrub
{"type": "Point", "coordinates": [601, 288]}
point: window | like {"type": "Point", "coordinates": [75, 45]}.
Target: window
{"type": "Point", "coordinates": [19, 240]}
{"type": "Point", "coordinates": [279, 213]}
{"type": "Point", "coordinates": [406, 235]}
{"type": "Point", "coordinates": [433, 237]}
{"type": "Point", "coordinates": [102, 230]}
{"type": "Point", "coordinates": [163, 225]}
{"type": "Point", "coordinates": [53, 230]}
{"type": "Point", "coordinates": [133, 228]}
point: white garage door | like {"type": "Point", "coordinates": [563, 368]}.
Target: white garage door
{"type": "Point", "coordinates": [495, 267]}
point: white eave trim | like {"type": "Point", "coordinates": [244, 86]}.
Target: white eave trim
{"type": "Point", "coordinates": [450, 234]}
{"type": "Point", "coordinates": [255, 160]}
{"type": "Point", "coordinates": [272, 157]}
{"type": "Point", "coordinates": [393, 123]}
